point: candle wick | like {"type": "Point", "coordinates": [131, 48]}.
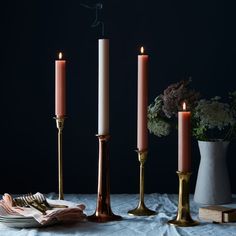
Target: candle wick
{"type": "Point", "coordinates": [96, 22]}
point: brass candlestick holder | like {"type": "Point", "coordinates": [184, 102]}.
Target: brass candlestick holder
{"type": "Point", "coordinates": [103, 212]}
{"type": "Point", "coordinates": [60, 126]}
{"type": "Point", "coordinates": [183, 218]}
{"type": "Point", "coordinates": [141, 209]}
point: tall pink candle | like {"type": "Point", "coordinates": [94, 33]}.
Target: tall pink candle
{"type": "Point", "coordinates": [142, 132]}
{"type": "Point", "coordinates": [60, 87]}
{"type": "Point", "coordinates": [184, 133]}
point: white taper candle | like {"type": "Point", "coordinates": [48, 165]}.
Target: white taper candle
{"type": "Point", "coordinates": [103, 86]}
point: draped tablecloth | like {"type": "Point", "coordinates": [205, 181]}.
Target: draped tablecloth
{"type": "Point", "coordinates": [164, 204]}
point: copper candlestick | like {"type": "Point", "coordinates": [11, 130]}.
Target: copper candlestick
{"type": "Point", "coordinates": [183, 218]}
{"type": "Point", "coordinates": [60, 126]}
{"type": "Point", "coordinates": [141, 209]}
{"type": "Point", "coordinates": [103, 212]}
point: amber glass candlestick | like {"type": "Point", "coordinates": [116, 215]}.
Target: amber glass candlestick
{"type": "Point", "coordinates": [183, 217]}
{"type": "Point", "coordinates": [141, 209]}
{"type": "Point", "coordinates": [103, 212]}
{"type": "Point", "coordinates": [60, 126]}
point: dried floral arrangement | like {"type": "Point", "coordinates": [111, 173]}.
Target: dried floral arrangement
{"type": "Point", "coordinates": [212, 119]}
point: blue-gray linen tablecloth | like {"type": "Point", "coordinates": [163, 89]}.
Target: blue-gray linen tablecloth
{"type": "Point", "coordinates": [164, 204]}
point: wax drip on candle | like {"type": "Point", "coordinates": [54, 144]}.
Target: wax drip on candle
{"type": "Point", "coordinates": [98, 7]}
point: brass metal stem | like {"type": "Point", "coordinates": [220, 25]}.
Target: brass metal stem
{"type": "Point", "coordinates": [183, 218]}
{"type": "Point", "coordinates": [103, 212]}
{"type": "Point", "coordinates": [142, 158]}
{"type": "Point", "coordinates": [141, 209]}
{"type": "Point", "coordinates": [60, 126]}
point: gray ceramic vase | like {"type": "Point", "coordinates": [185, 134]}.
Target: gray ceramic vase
{"type": "Point", "coordinates": [213, 186]}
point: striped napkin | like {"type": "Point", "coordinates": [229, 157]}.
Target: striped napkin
{"type": "Point", "coordinates": [74, 212]}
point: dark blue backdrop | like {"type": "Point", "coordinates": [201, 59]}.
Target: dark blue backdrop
{"type": "Point", "coordinates": [183, 38]}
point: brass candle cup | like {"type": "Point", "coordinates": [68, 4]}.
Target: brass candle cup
{"type": "Point", "coordinates": [141, 209]}
{"type": "Point", "coordinates": [60, 125]}
{"type": "Point", "coordinates": [183, 217]}
{"type": "Point", "coordinates": [103, 212]}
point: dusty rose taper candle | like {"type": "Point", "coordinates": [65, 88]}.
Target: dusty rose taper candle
{"type": "Point", "coordinates": [103, 86]}
{"type": "Point", "coordinates": [60, 87]}
{"type": "Point", "coordinates": [142, 132]}
{"type": "Point", "coordinates": [184, 140]}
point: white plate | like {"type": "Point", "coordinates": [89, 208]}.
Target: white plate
{"type": "Point", "coordinates": [30, 223]}
{"type": "Point", "coordinates": [11, 217]}
{"type": "Point", "coordinates": [16, 220]}
{"type": "Point", "coordinates": [24, 224]}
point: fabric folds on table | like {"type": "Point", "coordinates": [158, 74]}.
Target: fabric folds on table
{"type": "Point", "coordinates": [164, 204]}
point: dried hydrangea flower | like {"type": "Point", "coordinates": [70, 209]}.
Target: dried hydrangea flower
{"type": "Point", "coordinates": [157, 124]}
{"type": "Point", "coordinates": [163, 112]}
{"type": "Point", "coordinates": [159, 127]}
{"type": "Point", "coordinates": [175, 95]}
{"type": "Point", "coordinates": [212, 115]}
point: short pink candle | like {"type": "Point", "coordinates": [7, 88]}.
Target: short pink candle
{"type": "Point", "coordinates": [142, 132]}
{"type": "Point", "coordinates": [184, 139]}
{"type": "Point", "coordinates": [60, 87]}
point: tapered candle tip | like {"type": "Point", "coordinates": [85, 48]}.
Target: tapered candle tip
{"type": "Point", "coordinates": [60, 55]}
{"type": "Point", "coordinates": [142, 50]}
{"type": "Point", "coordinates": [184, 106]}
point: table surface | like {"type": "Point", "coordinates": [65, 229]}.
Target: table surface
{"type": "Point", "coordinates": [164, 204]}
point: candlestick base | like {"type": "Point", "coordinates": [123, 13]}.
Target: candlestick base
{"type": "Point", "coordinates": [141, 209]}
{"type": "Point", "coordinates": [183, 222]}
{"type": "Point", "coordinates": [60, 125]}
{"type": "Point", "coordinates": [183, 218]}
{"type": "Point", "coordinates": [103, 212]}
{"type": "Point", "coordinates": [103, 218]}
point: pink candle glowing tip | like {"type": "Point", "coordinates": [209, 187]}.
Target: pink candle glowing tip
{"type": "Point", "coordinates": [142, 132]}
{"type": "Point", "coordinates": [184, 139]}
{"type": "Point", "coordinates": [60, 87]}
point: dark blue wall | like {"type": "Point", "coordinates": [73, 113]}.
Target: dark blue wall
{"type": "Point", "coordinates": [183, 38]}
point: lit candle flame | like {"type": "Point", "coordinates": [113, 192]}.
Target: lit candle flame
{"type": "Point", "coordinates": [142, 50]}
{"type": "Point", "coordinates": [60, 55]}
{"type": "Point", "coordinates": [184, 106]}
